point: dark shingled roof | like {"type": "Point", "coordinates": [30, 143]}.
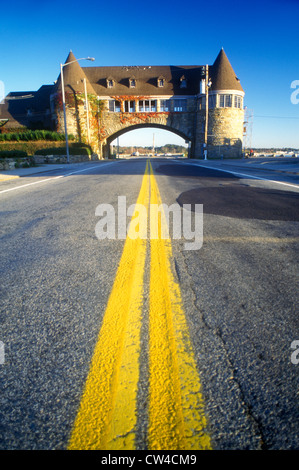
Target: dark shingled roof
{"type": "Point", "coordinates": [146, 80]}
{"type": "Point", "coordinates": [16, 105]}
{"type": "Point", "coordinates": [222, 74]}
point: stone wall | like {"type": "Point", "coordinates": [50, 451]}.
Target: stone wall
{"type": "Point", "coordinates": [12, 163]}
{"type": "Point", "coordinates": [76, 118]}
{"type": "Point", "coordinates": [225, 133]}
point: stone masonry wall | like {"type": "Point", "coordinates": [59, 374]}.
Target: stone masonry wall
{"type": "Point", "coordinates": [225, 133]}
{"type": "Point", "coordinates": [76, 117]}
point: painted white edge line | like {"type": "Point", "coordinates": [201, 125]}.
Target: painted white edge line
{"type": "Point", "coordinates": [239, 174]}
{"type": "Point", "coordinates": [54, 178]}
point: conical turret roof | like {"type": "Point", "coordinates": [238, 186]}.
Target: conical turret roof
{"type": "Point", "coordinates": [73, 76]}
{"type": "Point", "coordinates": [222, 74]}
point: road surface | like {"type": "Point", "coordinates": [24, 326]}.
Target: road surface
{"type": "Point", "coordinates": [131, 342]}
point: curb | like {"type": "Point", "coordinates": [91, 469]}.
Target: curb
{"type": "Point", "coordinates": [8, 177]}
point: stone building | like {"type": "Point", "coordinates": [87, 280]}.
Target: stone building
{"type": "Point", "coordinates": [104, 102]}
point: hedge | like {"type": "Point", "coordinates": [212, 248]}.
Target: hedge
{"type": "Point", "coordinates": [62, 151]}
{"type": "Point", "coordinates": [28, 135]}
{"type": "Point", "coordinates": [34, 147]}
{"type": "Point", "coordinates": [12, 154]}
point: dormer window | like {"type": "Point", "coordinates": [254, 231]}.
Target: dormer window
{"type": "Point", "coordinates": [110, 82]}
{"type": "Point", "coordinates": [132, 82]}
{"type": "Point", "coordinates": [161, 82]}
{"type": "Point", "coordinates": [183, 81]}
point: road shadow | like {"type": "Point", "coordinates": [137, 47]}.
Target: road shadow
{"type": "Point", "coordinates": [193, 171]}
{"type": "Point", "coordinates": [244, 202]}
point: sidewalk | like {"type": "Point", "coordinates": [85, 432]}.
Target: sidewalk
{"type": "Point", "coordinates": [283, 165]}
{"type": "Point", "coordinates": [22, 172]}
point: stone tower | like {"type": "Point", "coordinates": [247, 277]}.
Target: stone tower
{"type": "Point", "coordinates": [225, 112]}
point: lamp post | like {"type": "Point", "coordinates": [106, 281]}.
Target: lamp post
{"type": "Point", "coordinates": [208, 84]}
{"type": "Point", "coordinates": [87, 111]}
{"type": "Point", "coordinates": [63, 102]}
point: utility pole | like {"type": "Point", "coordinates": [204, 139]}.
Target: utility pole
{"type": "Point", "coordinates": [64, 114]}
{"type": "Point", "coordinates": [87, 112]}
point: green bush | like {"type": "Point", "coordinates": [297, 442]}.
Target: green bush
{"type": "Point", "coordinates": [31, 146]}
{"type": "Point", "coordinates": [28, 135]}
{"type": "Point", "coordinates": [76, 150]}
{"type": "Point", "coordinates": [79, 144]}
{"type": "Point", "coordinates": [12, 154]}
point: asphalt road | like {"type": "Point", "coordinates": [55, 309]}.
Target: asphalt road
{"type": "Point", "coordinates": [239, 295]}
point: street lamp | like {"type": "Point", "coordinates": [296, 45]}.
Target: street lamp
{"type": "Point", "coordinates": [208, 84]}
{"type": "Point", "coordinates": [63, 102]}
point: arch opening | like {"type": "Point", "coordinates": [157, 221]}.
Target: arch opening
{"type": "Point", "coordinates": [148, 136]}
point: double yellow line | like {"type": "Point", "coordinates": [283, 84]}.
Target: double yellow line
{"type": "Point", "coordinates": [107, 416]}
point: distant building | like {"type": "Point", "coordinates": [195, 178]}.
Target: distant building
{"type": "Point", "coordinates": [123, 98]}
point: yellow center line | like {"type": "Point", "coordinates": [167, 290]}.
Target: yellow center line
{"type": "Point", "coordinates": [107, 415]}
{"type": "Point", "coordinates": [176, 408]}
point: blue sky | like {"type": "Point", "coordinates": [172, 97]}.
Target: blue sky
{"type": "Point", "coordinates": [260, 39]}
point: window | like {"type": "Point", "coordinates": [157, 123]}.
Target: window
{"type": "Point", "coordinates": [164, 105]}
{"type": "Point", "coordinates": [179, 105]}
{"type": "Point", "coordinates": [129, 106]}
{"type": "Point", "coordinates": [212, 101]}
{"type": "Point", "coordinates": [132, 83]}
{"type": "Point", "coordinates": [110, 83]}
{"type": "Point", "coordinates": [114, 106]}
{"type": "Point", "coordinates": [183, 82]}
{"type": "Point", "coordinates": [161, 82]}
{"type": "Point", "coordinates": [147, 106]}
{"type": "Point", "coordinates": [225, 101]}
{"type": "Point", "coordinates": [202, 102]}
{"type": "Point", "coordinates": [238, 101]}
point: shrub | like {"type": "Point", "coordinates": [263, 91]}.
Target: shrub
{"type": "Point", "coordinates": [62, 151]}
{"type": "Point", "coordinates": [27, 135]}
{"type": "Point", "coordinates": [12, 154]}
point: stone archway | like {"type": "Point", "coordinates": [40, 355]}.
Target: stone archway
{"type": "Point", "coordinates": [107, 144]}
